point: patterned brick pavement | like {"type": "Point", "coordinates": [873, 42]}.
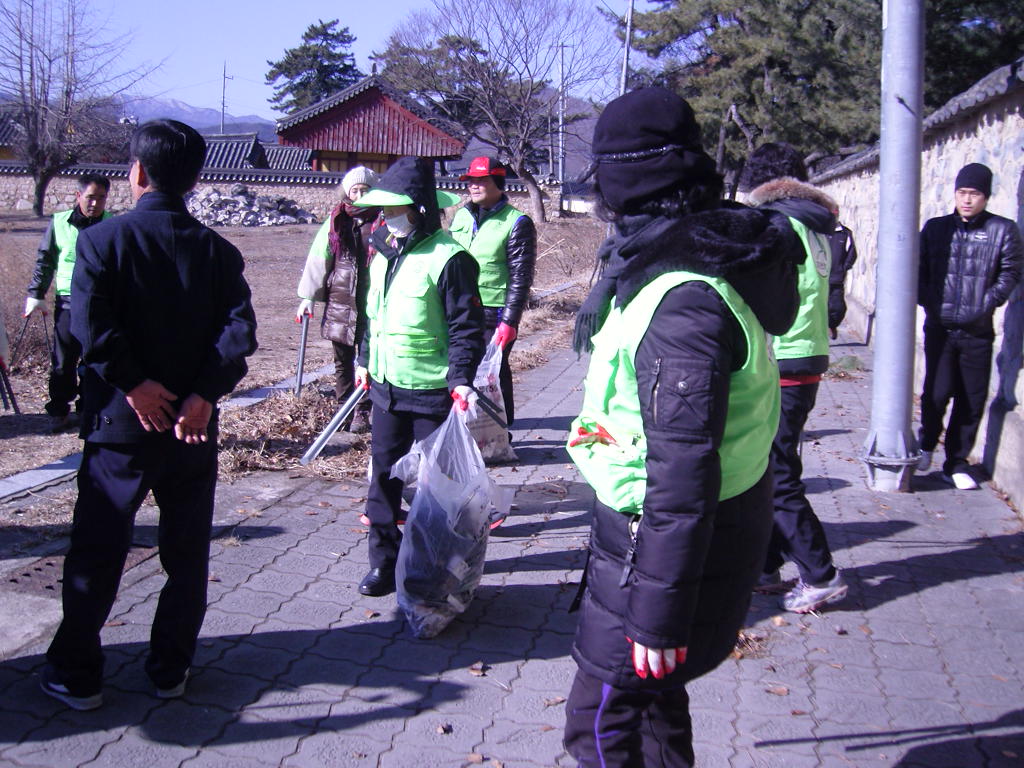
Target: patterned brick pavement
{"type": "Point", "coordinates": [920, 666]}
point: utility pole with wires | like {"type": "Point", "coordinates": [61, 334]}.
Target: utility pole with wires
{"type": "Point", "coordinates": [626, 47]}
{"type": "Point", "coordinates": [223, 95]}
{"type": "Point", "coordinates": [561, 114]}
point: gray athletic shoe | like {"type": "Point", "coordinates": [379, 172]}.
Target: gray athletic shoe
{"type": "Point", "coordinates": [806, 598]}
{"type": "Point", "coordinates": [52, 687]}
{"type": "Point", "coordinates": [175, 691]}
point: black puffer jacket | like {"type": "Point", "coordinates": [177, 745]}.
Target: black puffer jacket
{"type": "Point", "coordinates": [967, 269]}
{"type": "Point", "coordinates": [696, 559]}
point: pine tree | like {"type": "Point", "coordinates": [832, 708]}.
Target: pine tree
{"type": "Point", "coordinates": [798, 71]}
{"type": "Point", "coordinates": [320, 67]}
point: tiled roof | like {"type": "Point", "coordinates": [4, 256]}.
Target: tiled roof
{"type": "Point", "coordinates": [283, 158]}
{"type": "Point", "coordinates": [255, 175]}
{"type": "Point", "coordinates": [991, 87]}
{"type": "Point", "coordinates": [8, 129]}
{"type": "Point", "coordinates": [235, 151]}
{"type": "Point", "coordinates": [372, 81]}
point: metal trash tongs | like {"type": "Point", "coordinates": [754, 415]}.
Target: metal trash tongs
{"type": "Point", "coordinates": [333, 426]}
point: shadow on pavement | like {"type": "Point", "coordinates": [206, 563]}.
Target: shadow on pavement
{"type": "Point", "coordinates": [294, 683]}
{"type": "Point", "coordinates": [975, 749]}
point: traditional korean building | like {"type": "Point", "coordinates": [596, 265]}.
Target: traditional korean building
{"type": "Point", "coordinates": [370, 123]}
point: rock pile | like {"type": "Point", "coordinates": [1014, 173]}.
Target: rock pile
{"type": "Point", "coordinates": [241, 208]}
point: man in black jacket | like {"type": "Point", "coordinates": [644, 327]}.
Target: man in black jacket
{"type": "Point", "coordinates": [55, 262]}
{"type": "Point", "coordinates": [970, 264]}
{"type": "Point", "coordinates": [163, 314]}
{"type": "Point", "coordinates": [503, 241]}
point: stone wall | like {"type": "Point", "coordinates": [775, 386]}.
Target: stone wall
{"type": "Point", "coordinates": [315, 192]}
{"type": "Point", "coordinates": [992, 134]}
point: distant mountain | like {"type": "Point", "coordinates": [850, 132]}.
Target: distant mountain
{"type": "Point", "coordinates": [203, 119]}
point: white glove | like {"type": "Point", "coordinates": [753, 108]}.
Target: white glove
{"type": "Point", "coordinates": [362, 378]}
{"type": "Point", "coordinates": [305, 308]}
{"type": "Point", "coordinates": [32, 304]}
{"type": "Point", "coordinates": [464, 397]}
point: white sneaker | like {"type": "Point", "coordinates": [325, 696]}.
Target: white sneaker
{"type": "Point", "coordinates": [805, 598]}
{"type": "Point", "coordinates": [962, 481]}
{"type": "Point", "coordinates": [924, 463]}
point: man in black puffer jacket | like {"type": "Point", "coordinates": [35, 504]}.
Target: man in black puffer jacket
{"type": "Point", "coordinates": [970, 264]}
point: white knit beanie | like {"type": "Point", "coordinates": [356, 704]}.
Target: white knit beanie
{"type": "Point", "coordinates": [358, 175]}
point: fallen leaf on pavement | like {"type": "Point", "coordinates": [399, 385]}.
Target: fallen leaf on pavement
{"type": "Point", "coordinates": [778, 621]}
{"type": "Point", "coordinates": [444, 728]}
{"type": "Point", "coordinates": [371, 614]}
{"type": "Point", "coordinates": [497, 763]}
{"type": "Point", "coordinates": [841, 631]}
{"type": "Point", "coordinates": [115, 623]}
{"type": "Point", "coordinates": [323, 504]}
{"type": "Point", "coordinates": [475, 757]}
{"type": "Point", "coordinates": [778, 690]}
{"type": "Point", "coordinates": [479, 669]}
{"type": "Point", "coordinates": [797, 712]}
{"type": "Point", "coordinates": [554, 701]}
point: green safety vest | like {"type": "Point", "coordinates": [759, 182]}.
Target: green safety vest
{"type": "Point", "coordinates": [808, 336]}
{"type": "Point", "coordinates": [65, 236]}
{"type": "Point", "coordinates": [486, 244]}
{"type": "Point", "coordinates": [618, 472]}
{"type": "Point", "coordinates": [408, 329]}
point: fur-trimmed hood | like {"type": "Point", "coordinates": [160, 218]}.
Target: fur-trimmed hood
{"type": "Point", "coordinates": [750, 248]}
{"type": "Point", "coordinates": [795, 198]}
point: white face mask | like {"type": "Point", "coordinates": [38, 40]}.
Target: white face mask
{"type": "Point", "coordinates": [399, 225]}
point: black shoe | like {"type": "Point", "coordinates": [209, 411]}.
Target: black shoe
{"type": "Point", "coordinates": [378, 582]}
{"type": "Point", "coordinates": [83, 701]}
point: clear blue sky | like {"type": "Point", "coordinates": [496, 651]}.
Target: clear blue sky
{"type": "Point", "coordinates": [196, 37]}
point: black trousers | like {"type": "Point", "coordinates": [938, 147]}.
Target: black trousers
{"type": "Point", "coordinates": [64, 357]}
{"type": "Point", "coordinates": [957, 366]}
{"type": "Point", "coordinates": [608, 727]}
{"type": "Point", "coordinates": [492, 317]}
{"type": "Point", "coordinates": [797, 533]}
{"type": "Point", "coordinates": [112, 483]}
{"type": "Point", "coordinates": [344, 374]}
{"type": "Point", "coordinates": [393, 433]}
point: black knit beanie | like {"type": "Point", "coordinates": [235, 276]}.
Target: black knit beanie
{"type": "Point", "coordinates": [772, 161]}
{"type": "Point", "coordinates": [645, 143]}
{"type": "Point", "coordinates": [975, 176]}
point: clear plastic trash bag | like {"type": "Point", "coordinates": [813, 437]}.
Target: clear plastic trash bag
{"type": "Point", "coordinates": [444, 544]}
{"type": "Point", "coordinates": [491, 438]}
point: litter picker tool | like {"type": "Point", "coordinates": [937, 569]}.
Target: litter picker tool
{"type": "Point", "coordinates": [7, 392]}
{"type": "Point", "coordinates": [21, 337]}
{"type": "Point", "coordinates": [302, 353]}
{"type": "Point", "coordinates": [333, 426]}
{"type": "Point", "coordinates": [489, 408]}
{"type": "Point", "coordinates": [17, 344]}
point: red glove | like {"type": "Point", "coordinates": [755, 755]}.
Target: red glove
{"type": "Point", "coordinates": [504, 334]}
{"type": "Point", "coordinates": [464, 397]}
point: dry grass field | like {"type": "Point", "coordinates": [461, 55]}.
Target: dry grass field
{"type": "Point", "coordinates": [273, 434]}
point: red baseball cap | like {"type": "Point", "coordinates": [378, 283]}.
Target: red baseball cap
{"type": "Point", "coordinates": [483, 166]}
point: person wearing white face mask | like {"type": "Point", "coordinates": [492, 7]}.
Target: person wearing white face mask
{"type": "Point", "coordinates": [422, 342]}
{"type": "Point", "coordinates": [336, 274]}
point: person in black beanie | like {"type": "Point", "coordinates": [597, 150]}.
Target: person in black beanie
{"type": "Point", "coordinates": [970, 263]}
{"type": "Point", "coordinates": [679, 411]}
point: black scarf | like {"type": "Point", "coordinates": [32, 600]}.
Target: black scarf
{"type": "Point", "coordinates": [633, 234]}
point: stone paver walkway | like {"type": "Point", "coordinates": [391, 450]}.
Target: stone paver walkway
{"type": "Point", "coordinates": [920, 666]}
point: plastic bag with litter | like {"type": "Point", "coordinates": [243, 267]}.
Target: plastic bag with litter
{"type": "Point", "coordinates": [444, 545]}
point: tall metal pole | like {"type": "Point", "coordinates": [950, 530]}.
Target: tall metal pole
{"type": "Point", "coordinates": [891, 449]}
{"type": "Point", "coordinates": [626, 47]}
{"type": "Point", "coordinates": [223, 95]}
{"type": "Point", "coordinates": [561, 114]}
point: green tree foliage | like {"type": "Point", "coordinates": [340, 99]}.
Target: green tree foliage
{"type": "Point", "coordinates": [320, 67]}
{"type": "Point", "coordinates": [965, 41]}
{"type": "Point", "coordinates": [800, 71]}
{"type": "Point", "coordinates": [491, 70]}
